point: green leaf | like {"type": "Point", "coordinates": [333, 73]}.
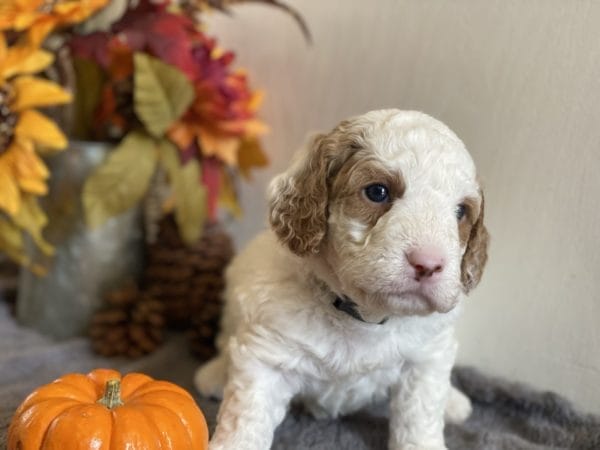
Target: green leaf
{"type": "Point", "coordinates": [169, 158]}
{"type": "Point", "coordinates": [190, 194]}
{"type": "Point", "coordinates": [122, 180]}
{"type": "Point", "coordinates": [190, 203]}
{"type": "Point", "coordinates": [162, 93]}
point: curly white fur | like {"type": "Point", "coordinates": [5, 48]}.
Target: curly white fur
{"type": "Point", "coordinates": [281, 338]}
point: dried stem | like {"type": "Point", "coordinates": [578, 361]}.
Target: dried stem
{"type": "Point", "coordinates": [112, 395]}
{"type": "Point", "coordinates": [224, 6]}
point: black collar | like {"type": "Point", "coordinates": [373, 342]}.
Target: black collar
{"type": "Point", "coordinates": [347, 306]}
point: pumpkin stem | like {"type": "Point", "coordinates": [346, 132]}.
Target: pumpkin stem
{"type": "Point", "coordinates": [112, 394]}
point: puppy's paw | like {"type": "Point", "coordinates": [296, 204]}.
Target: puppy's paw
{"type": "Point", "coordinates": [210, 378]}
{"type": "Point", "coordinates": [215, 446]}
{"type": "Point", "coordinates": [458, 408]}
{"type": "Point", "coordinates": [316, 410]}
{"type": "Point", "coordinates": [421, 447]}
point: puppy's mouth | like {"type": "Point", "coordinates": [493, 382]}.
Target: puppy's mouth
{"type": "Point", "coordinates": [379, 306]}
{"type": "Point", "coordinates": [398, 298]}
{"type": "Point", "coordinates": [419, 301]}
{"type": "Point", "coordinates": [434, 304]}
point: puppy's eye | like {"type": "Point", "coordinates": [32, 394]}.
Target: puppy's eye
{"type": "Point", "coordinates": [377, 193]}
{"type": "Point", "coordinates": [461, 211]}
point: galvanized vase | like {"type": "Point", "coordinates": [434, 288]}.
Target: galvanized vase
{"type": "Point", "coordinates": [87, 262]}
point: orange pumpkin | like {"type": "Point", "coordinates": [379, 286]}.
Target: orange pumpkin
{"type": "Point", "coordinates": [102, 411]}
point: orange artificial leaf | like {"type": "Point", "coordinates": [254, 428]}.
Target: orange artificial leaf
{"type": "Point", "coordinates": [223, 147]}
{"type": "Point", "coordinates": [255, 127]}
{"type": "Point", "coordinates": [250, 155]}
{"type": "Point", "coordinates": [256, 100]}
{"type": "Point", "coordinates": [181, 134]}
{"type": "Point", "coordinates": [121, 60]}
{"type": "Point", "coordinates": [243, 127]}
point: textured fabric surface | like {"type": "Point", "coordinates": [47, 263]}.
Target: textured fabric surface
{"type": "Point", "coordinates": [506, 415]}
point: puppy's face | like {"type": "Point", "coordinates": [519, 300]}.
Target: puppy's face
{"type": "Point", "coordinates": [389, 207]}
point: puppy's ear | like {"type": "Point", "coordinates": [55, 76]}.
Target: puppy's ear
{"type": "Point", "coordinates": [475, 255]}
{"type": "Point", "coordinates": [298, 200]}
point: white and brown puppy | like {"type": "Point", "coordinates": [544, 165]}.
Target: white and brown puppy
{"type": "Point", "coordinates": [377, 235]}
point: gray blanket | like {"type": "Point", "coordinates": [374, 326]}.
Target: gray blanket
{"type": "Point", "coordinates": [506, 415]}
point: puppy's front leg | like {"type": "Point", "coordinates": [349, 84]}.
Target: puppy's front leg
{"type": "Point", "coordinates": [255, 402]}
{"type": "Point", "coordinates": [417, 406]}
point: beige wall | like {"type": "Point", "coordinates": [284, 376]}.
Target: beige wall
{"type": "Point", "coordinates": [519, 81]}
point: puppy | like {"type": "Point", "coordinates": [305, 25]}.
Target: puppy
{"type": "Point", "coordinates": [376, 237]}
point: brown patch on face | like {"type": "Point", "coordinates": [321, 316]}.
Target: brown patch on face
{"type": "Point", "coordinates": [360, 171]}
{"type": "Point", "coordinates": [465, 225]}
{"type": "Point", "coordinates": [475, 256]}
{"type": "Point", "coordinates": [298, 205]}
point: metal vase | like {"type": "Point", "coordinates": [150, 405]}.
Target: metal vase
{"type": "Point", "coordinates": [86, 262]}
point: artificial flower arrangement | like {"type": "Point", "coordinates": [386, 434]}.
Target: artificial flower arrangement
{"type": "Point", "coordinates": [168, 95]}
{"type": "Point", "coordinates": [150, 81]}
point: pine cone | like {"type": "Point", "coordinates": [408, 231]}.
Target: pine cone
{"type": "Point", "coordinates": [186, 278]}
{"type": "Point", "coordinates": [182, 287]}
{"type": "Point", "coordinates": [204, 328]}
{"type": "Point", "coordinates": [131, 325]}
{"type": "Point", "coordinates": [126, 296]}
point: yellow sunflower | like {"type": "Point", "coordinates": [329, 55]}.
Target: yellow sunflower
{"type": "Point", "coordinates": [39, 17]}
{"type": "Point", "coordinates": [21, 126]}
{"type": "Point", "coordinates": [23, 132]}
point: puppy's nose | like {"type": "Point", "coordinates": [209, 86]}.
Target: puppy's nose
{"type": "Point", "coordinates": [426, 261]}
